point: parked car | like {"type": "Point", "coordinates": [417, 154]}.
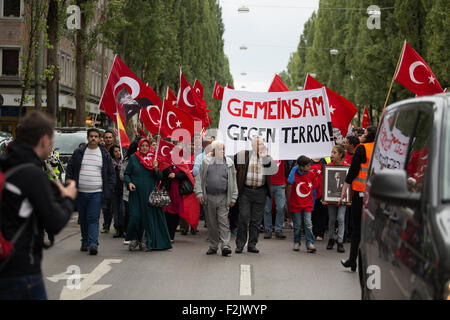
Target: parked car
{"type": "Point", "coordinates": [405, 240]}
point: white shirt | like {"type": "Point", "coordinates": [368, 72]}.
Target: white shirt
{"type": "Point", "coordinates": [90, 179]}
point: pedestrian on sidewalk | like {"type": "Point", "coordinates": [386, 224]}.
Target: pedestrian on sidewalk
{"type": "Point", "coordinates": [92, 168]}
{"type": "Point", "coordinates": [301, 201]}
{"type": "Point", "coordinates": [278, 181]}
{"type": "Point", "coordinates": [338, 159]}
{"type": "Point", "coordinates": [116, 199]}
{"type": "Point", "coordinates": [216, 189]}
{"type": "Point", "coordinates": [109, 139]}
{"type": "Point", "coordinates": [30, 204]}
{"type": "Point", "coordinates": [254, 168]}
{"type": "Point", "coordinates": [141, 176]}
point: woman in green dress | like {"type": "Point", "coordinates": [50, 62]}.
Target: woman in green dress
{"type": "Point", "coordinates": [141, 176]}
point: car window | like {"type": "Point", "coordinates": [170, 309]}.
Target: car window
{"type": "Point", "coordinates": [446, 148]}
{"type": "Point", "coordinates": [66, 143]}
{"type": "Point", "coordinates": [393, 140]}
{"type": "Point", "coordinates": [417, 159]}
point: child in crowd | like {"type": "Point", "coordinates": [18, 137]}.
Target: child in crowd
{"type": "Point", "coordinates": [337, 158]}
{"type": "Point", "coordinates": [301, 201]}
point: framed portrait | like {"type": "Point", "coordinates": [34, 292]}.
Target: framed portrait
{"type": "Point", "coordinates": [333, 181]}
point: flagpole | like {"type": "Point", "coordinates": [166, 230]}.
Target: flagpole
{"type": "Point", "coordinates": [159, 129]}
{"type": "Point", "coordinates": [393, 77]}
{"type": "Point", "coordinates": [118, 133]}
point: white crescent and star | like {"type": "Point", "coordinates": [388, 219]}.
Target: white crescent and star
{"type": "Point", "coordinates": [299, 193]}
{"type": "Point", "coordinates": [332, 109]}
{"type": "Point", "coordinates": [148, 112]}
{"type": "Point", "coordinates": [185, 93]}
{"type": "Point", "coordinates": [412, 67]}
{"type": "Point", "coordinates": [168, 120]}
{"type": "Point", "coordinates": [133, 84]}
{"type": "Point", "coordinates": [162, 151]}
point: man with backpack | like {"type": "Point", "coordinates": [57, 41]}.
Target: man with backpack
{"type": "Point", "coordinates": [30, 203]}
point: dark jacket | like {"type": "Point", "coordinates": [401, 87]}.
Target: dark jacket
{"type": "Point", "coordinates": [108, 172]}
{"type": "Point", "coordinates": [166, 182]}
{"type": "Point", "coordinates": [49, 210]}
{"type": "Point", "coordinates": [242, 169]}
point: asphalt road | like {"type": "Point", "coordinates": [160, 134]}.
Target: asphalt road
{"type": "Point", "coordinates": [186, 272]}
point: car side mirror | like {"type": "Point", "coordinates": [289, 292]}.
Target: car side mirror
{"type": "Point", "coordinates": [390, 185]}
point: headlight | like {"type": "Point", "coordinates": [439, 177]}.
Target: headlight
{"type": "Point", "coordinates": [447, 291]}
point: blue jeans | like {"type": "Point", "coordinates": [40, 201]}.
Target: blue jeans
{"type": "Point", "coordinates": [332, 210]}
{"type": "Point", "coordinates": [23, 288]}
{"type": "Point", "coordinates": [278, 193]}
{"type": "Point", "coordinates": [303, 219]}
{"type": "Point", "coordinates": [89, 206]}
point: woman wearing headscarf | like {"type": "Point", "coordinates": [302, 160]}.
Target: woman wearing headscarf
{"type": "Point", "coordinates": [141, 176]}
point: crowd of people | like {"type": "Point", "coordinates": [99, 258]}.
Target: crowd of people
{"type": "Point", "coordinates": [238, 196]}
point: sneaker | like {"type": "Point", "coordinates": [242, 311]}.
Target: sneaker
{"type": "Point", "coordinates": [296, 246]}
{"type": "Point", "coordinates": [93, 250]}
{"type": "Point", "coordinates": [330, 244]}
{"type": "Point", "coordinates": [84, 247]}
{"type": "Point", "coordinates": [142, 246]}
{"type": "Point", "coordinates": [252, 250]}
{"type": "Point", "coordinates": [261, 228]}
{"type": "Point", "coordinates": [184, 232]}
{"type": "Point", "coordinates": [226, 251]}
{"type": "Point", "coordinates": [125, 242]}
{"type": "Point", "coordinates": [319, 238]}
{"type": "Point", "coordinates": [340, 247]}
{"type": "Point", "coordinates": [211, 251]}
{"type": "Point", "coordinates": [268, 235]}
{"type": "Point", "coordinates": [311, 248]}
{"type": "Point", "coordinates": [239, 250]}
{"type": "Point", "coordinates": [280, 235]}
{"type": "Point", "coordinates": [104, 231]}
{"type": "Point", "coordinates": [133, 245]}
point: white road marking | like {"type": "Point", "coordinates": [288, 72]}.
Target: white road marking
{"type": "Point", "coordinates": [64, 276]}
{"type": "Point", "coordinates": [245, 287]}
{"type": "Point", "coordinates": [88, 286]}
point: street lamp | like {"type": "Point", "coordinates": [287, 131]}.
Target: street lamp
{"type": "Point", "coordinates": [300, 88]}
{"type": "Point", "coordinates": [334, 52]}
{"type": "Point", "coordinates": [313, 75]}
{"type": "Point", "coordinates": [243, 73]}
{"type": "Point", "coordinates": [243, 47]}
{"type": "Point", "coordinates": [243, 9]}
{"type": "Point", "coordinates": [242, 87]}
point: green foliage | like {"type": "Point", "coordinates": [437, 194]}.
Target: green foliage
{"type": "Point", "coordinates": [155, 38]}
{"type": "Point", "coordinates": [363, 69]}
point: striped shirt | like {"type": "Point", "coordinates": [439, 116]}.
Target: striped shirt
{"type": "Point", "coordinates": [255, 176]}
{"type": "Point", "coordinates": [91, 171]}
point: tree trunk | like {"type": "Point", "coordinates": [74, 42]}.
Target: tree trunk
{"type": "Point", "coordinates": [80, 57]}
{"type": "Point", "coordinates": [52, 23]}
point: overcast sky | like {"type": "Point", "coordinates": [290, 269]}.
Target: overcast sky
{"type": "Point", "coordinates": [270, 30]}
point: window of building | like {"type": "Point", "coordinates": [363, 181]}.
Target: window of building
{"type": "Point", "coordinates": [9, 62]}
{"type": "Point", "coordinates": [11, 8]}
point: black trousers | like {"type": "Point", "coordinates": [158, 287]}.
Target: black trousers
{"type": "Point", "coordinates": [319, 218]}
{"type": "Point", "coordinates": [251, 212]}
{"type": "Point", "coordinates": [348, 223]}
{"type": "Point", "coordinates": [172, 220]}
{"type": "Point", "coordinates": [357, 203]}
{"type": "Point", "coordinates": [107, 214]}
{"type": "Point", "coordinates": [234, 216]}
{"type": "Point", "coordinates": [126, 215]}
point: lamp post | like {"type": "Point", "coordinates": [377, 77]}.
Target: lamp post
{"type": "Point", "coordinates": [243, 9]}
{"type": "Point", "coordinates": [334, 52]}
{"type": "Point", "coordinates": [243, 47]}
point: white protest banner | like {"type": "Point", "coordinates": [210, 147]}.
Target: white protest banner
{"type": "Point", "coordinates": [292, 123]}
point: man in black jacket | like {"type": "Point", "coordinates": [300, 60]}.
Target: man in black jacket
{"type": "Point", "coordinates": [29, 200]}
{"type": "Point", "coordinates": [92, 168]}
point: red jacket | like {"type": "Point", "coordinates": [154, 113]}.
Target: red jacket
{"type": "Point", "coordinates": [316, 168]}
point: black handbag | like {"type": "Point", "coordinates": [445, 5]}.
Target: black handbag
{"type": "Point", "coordinates": [186, 187]}
{"type": "Point", "coordinates": [159, 198]}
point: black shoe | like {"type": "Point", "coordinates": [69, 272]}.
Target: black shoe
{"type": "Point", "coordinates": [330, 244]}
{"type": "Point", "coordinates": [238, 250]}
{"type": "Point", "coordinates": [253, 250]}
{"type": "Point", "coordinates": [349, 264]}
{"type": "Point", "coordinates": [340, 247]}
{"type": "Point", "coordinates": [193, 232]}
{"type": "Point", "coordinates": [93, 250]}
{"type": "Point", "coordinates": [184, 232]}
{"type": "Point", "coordinates": [280, 235]}
{"type": "Point", "coordinates": [84, 247]}
{"type": "Point", "coordinates": [226, 252]}
{"type": "Point", "coordinates": [268, 235]}
{"type": "Point", "coordinates": [118, 235]}
{"type": "Point", "coordinates": [211, 251]}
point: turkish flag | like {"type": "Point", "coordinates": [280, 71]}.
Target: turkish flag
{"type": "Point", "coordinates": [198, 89]}
{"type": "Point", "coordinates": [151, 117]}
{"type": "Point", "coordinates": [414, 74]}
{"type": "Point", "coordinates": [218, 91]}
{"type": "Point", "coordinates": [164, 151]}
{"type": "Point", "coordinates": [278, 85]}
{"type": "Point", "coordinates": [174, 118]}
{"type": "Point", "coordinates": [170, 96]}
{"type": "Point", "coordinates": [186, 99]}
{"type": "Point", "coordinates": [229, 87]}
{"type": "Point", "coordinates": [342, 111]}
{"type": "Point", "coordinates": [366, 119]}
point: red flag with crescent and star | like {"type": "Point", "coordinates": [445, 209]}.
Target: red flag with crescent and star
{"type": "Point", "coordinates": [170, 96]}
{"type": "Point", "coordinates": [164, 151]}
{"type": "Point", "coordinates": [415, 75]}
{"type": "Point", "coordinates": [366, 119]}
{"type": "Point", "coordinates": [278, 85]}
{"type": "Point", "coordinates": [342, 111]}
{"type": "Point", "coordinates": [174, 118]}
{"type": "Point", "coordinates": [218, 91]}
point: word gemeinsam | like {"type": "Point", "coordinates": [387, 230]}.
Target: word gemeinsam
{"type": "Point", "coordinates": [276, 109]}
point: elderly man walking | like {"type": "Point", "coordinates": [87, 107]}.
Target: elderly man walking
{"type": "Point", "coordinates": [253, 179]}
{"type": "Point", "coordinates": [216, 189]}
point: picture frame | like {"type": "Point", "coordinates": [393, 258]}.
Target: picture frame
{"type": "Point", "coordinates": [333, 180]}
